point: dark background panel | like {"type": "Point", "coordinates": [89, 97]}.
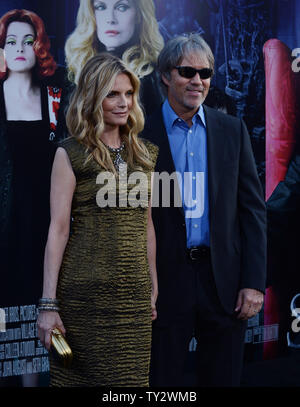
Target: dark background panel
{"type": "Point", "coordinates": [236, 30]}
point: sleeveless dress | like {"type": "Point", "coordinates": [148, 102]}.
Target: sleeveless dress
{"type": "Point", "coordinates": [104, 284]}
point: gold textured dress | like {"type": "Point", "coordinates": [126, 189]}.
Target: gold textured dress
{"type": "Point", "coordinates": [104, 285]}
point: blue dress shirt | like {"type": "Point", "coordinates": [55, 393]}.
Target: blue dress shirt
{"type": "Point", "coordinates": [189, 152]}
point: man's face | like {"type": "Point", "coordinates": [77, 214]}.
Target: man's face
{"type": "Point", "coordinates": [187, 94]}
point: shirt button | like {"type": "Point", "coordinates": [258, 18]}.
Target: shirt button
{"type": "Point", "coordinates": [195, 201]}
{"type": "Point", "coordinates": [195, 226]}
{"type": "Point", "coordinates": [190, 131]}
{"type": "Point", "coordinates": [191, 154]}
{"type": "Point", "coordinates": [194, 177]}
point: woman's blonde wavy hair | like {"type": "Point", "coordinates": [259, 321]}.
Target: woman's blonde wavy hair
{"type": "Point", "coordinates": [85, 113]}
{"type": "Point", "coordinates": [141, 58]}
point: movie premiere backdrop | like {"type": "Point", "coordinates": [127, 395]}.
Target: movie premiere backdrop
{"type": "Point", "coordinates": [256, 47]}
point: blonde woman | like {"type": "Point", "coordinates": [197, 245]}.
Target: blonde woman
{"type": "Point", "coordinates": [100, 284]}
{"type": "Point", "coordinates": [126, 28]}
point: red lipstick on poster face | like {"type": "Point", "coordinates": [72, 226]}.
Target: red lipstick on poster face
{"type": "Point", "coordinates": [112, 32]}
{"type": "Point", "coordinates": [20, 59]}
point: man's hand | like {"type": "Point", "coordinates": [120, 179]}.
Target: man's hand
{"type": "Point", "coordinates": [249, 303]}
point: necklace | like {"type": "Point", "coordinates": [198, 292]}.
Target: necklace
{"type": "Point", "coordinates": [118, 160]}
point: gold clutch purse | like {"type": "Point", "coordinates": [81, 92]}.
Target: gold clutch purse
{"type": "Point", "coordinates": [60, 348]}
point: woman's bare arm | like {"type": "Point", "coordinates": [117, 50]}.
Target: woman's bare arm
{"type": "Point", "coordinates": [151, 253]}
{"type": "Point", "coordinates": [63, 184]}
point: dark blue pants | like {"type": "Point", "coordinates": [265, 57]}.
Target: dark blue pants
{"type": "Point", "coordinates": [220, 337]}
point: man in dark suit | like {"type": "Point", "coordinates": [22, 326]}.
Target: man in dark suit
{"type": "Point", "coordinates": [211, 250]}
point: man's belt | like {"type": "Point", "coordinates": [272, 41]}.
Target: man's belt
{"type": "Point", "coordinates": [198, 253]}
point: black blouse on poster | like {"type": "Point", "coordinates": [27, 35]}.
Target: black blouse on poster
{"type": "Point", "coordinates": [25, 172]}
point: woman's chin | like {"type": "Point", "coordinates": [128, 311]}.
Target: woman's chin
{"type": "Point", "coordinates": [111, 46]}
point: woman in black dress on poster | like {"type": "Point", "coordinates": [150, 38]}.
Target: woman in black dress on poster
{"type": "Point", "coordinates": [28, 131]}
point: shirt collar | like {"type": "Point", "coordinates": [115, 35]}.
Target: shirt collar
{"type": "Point", "coordinates": [170, 117]}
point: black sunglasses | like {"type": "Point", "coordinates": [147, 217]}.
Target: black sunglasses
{"type": "Point", "coordinates": [189, 72]}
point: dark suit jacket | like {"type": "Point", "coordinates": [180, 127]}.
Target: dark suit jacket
{"type": "Point", "coordinates": [237, 217]}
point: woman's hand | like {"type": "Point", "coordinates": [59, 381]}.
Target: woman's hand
{"type": "Point", "coordinates": [154, 295]}
{"type": "Point", "coordinates": [46, 322]}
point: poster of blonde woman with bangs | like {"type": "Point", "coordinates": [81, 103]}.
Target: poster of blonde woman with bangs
{"type": "Point", "coordinates": [125, 28]}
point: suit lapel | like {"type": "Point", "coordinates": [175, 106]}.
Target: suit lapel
{"type": "Point", "coordinates": [165, 162]}
{"type": "Point", "coordinates": [160, 138]}
{"type": "Point", "coordinates": [215, 151]}
{"type": "Point", "coordinates": [215, 154]}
